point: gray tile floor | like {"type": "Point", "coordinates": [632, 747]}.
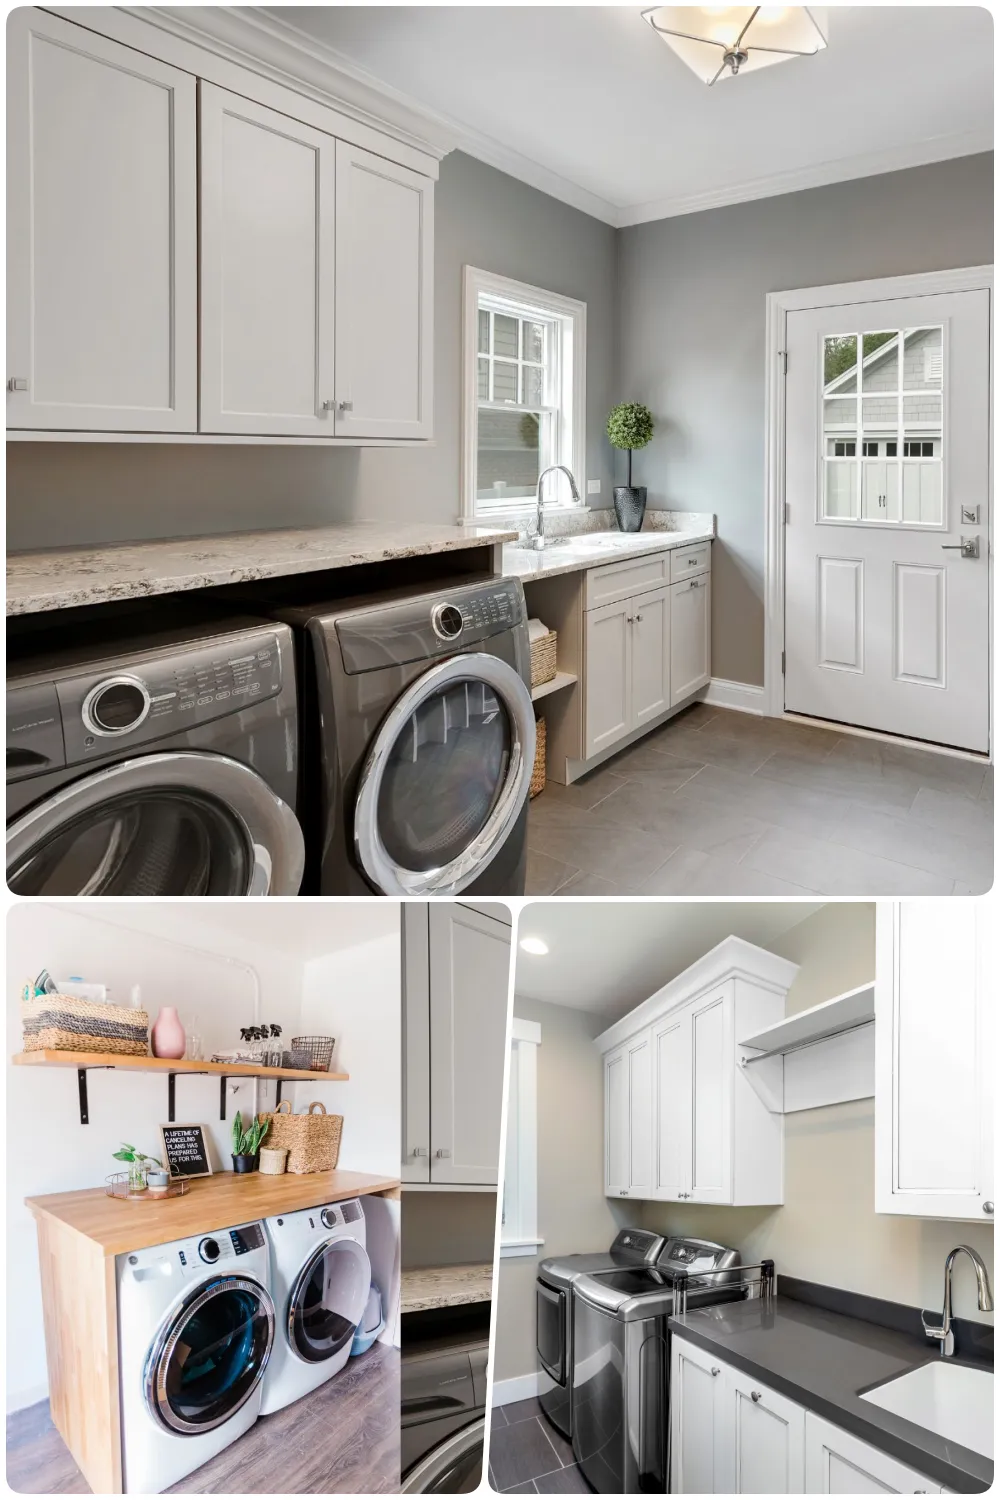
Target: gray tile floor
{"type": "Point", "coordinates": [528, 1456]}
{"type": "Point", "coordinates": [718, 803]}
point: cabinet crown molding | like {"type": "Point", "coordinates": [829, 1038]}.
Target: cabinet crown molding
{"type": "Point", "coordinates": [733, 958]}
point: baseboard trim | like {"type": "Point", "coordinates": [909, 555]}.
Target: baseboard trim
{"type": "Point", "coordinates": [744, 697]}
{"type": "Point", "coordinates": [520, 1388]}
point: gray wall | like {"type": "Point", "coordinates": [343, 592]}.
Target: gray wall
{"type": "Point", "coordinates": [691, 340]}
{"type": "Point", "coordinates": [60, 494]}
{"type": "Point", "coordinates": [448, 1229]}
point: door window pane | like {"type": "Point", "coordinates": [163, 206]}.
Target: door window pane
{"type": "Point", "coordinates": [880, 367]}
{"type": "Point", "coordinates": [840, 363]}
{"type": "Point", "coordinates": [923, 363]}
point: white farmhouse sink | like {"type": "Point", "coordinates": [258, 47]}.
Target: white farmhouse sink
{"type": "Point", "coordinates": [950, 1399]}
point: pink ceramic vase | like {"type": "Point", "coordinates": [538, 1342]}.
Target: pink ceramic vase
{"type": "Point", "coordinates": [167, 1036]}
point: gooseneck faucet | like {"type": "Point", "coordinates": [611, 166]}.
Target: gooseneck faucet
{"type": "Point", "coordinates": [945, 1333]}
{"type": "Point", "coordinates": [539, 539]}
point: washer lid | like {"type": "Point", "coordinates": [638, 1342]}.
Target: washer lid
{"type": "Point", "coordinates": [183, 823]}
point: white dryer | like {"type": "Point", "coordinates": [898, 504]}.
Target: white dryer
{"type": "Point", "coordinates": [195, 1332]}
{"type": "Point", "coordinates": [320, 1278]}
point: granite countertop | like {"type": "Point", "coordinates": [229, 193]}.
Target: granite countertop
{"type": "Point", "coordinates": [822, 1360]}
{"type": "Point", "coordinates": [574, 554]}
{"type": "Point", "coordinates": [71, 576]}
{"type": "Point", "coordinates": [446, 1286]}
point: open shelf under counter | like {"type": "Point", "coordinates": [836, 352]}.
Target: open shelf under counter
{"type": "Point", "coordinates": [554, 685]}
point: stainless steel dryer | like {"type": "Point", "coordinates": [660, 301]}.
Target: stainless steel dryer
{"type": "Point", "coordinates": [152, 762]}
{"type": "Point", "coordinates": [418, 708]}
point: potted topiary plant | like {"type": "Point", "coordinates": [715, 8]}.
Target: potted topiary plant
{"type": "Point", "coordinates": [630, 426]}
{"type": "Point", "coordinates": [246, 1143]}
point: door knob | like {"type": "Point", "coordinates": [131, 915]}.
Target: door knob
{"type": "Point", "coordinates": [988, 1206]}
{"type": "Point", "coordinates": [968, 546]}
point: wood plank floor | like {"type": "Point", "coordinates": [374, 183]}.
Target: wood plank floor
{"type": "Point", "coordinates": [341, 1440]}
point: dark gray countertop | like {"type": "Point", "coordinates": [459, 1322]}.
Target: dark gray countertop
{"type": "Point", "coordinates": [822, 1360]}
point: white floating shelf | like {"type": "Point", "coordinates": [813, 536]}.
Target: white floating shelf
{"type": "Point", "coordinates": [823, 1055]}
{"type": "Point", "coordinates": [554, 684]}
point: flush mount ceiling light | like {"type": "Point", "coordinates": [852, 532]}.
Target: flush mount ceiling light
{"type": "Point", "coordinates": [534, 945]}
{"type": "Point", "coordinates": [719, 41]}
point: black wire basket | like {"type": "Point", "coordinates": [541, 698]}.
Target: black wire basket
{"type": "Point", "coordinates": [320, 1049]}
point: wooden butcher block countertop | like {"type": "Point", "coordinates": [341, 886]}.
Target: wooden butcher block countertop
{"type": "Point", "coordinates": [118, 1225]}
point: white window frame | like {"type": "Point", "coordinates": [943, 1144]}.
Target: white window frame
{"type": "Point", "coordinates": [519, 1202]}
{"type": "Point", "coordinates": [522, 300]}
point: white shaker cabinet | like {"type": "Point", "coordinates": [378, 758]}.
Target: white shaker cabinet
{"type": "Point", "coordinates": [651, 647]}
{"type": "Point", "coordinates": [934, 1051]}
{"type": "Point", "coordinates": [267, 270]}
{"type": "Point", "coordinates": [628, 1120]}
{"type": "Point", "coordinates": [838, 1463]}
{"type": "Point", "coordinates": [102, 278]}
{"type": "Point", "coordinates": [690, 636]}
{"type": "Point", "coordinates": [628, 667]}
{"type": "Point", "coordinates": [765, 1438]}
{"type": "Point", "coordinates": [700, 1448]}
{"type": "Point", "coordinates": [384, 295]}
{"type": "Point", "coordinates": [693, 1100]}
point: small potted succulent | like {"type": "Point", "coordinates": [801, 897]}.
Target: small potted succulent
{"type": "Point", "coordinates": [246, 1142]}
{"type": "Point", "coordinates": [139, 1176]}
{"type": "Point", "coordinates": [630, 426]}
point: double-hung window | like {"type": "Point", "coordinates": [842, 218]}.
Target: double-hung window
{"type": "Point", "coordinates": [519, 1214]}
{"type": "Point", "coordinates": [524, 394]}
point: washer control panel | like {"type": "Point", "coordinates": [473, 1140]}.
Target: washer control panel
{"type": "Point", "coordinates": [250, 1237]}
{"type": "Point", "coordinates": [428, 627]}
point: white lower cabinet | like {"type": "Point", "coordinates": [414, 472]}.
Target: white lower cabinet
{"type": "Point", "coordinates": [690, 636]}
{"type": "Point", "coordinates": [628, 667]}
{"type": "Point", "coordinates": [731, 1435]}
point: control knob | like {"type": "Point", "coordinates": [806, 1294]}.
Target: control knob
{"type": "Point", "coordinates": [446, 621]}
{"type": "Point", "coordinates": [209, 1250]}
{"type": "Point", "coordinates": [115, 706]}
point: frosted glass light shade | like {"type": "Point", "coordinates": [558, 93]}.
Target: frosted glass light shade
{"type": "Point", "coordinates": [718, 41]}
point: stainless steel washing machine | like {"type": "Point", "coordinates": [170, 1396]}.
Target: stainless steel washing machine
{"type": "Point", "coordinates": [443, 1399]}
{"type": "Point", "coordinates": [418, 712]}
{"type": "Point", "coordinates": [155, 763]}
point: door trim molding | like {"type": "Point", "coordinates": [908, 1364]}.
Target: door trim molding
{"type": "Point", "coordinates": [777, 307]}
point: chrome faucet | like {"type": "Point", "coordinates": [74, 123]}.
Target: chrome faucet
{"type": "Point", "coordinates": [945, 1333]}
{"type": "Point", "coordinates": [538, 541]}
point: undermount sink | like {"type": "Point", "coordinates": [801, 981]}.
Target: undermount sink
{"type": "Point", "coordinates": [953, 1400]}
{"type": "Point", "coordinates": [549, 543]}
{"type": "Point", "coordinates": [599, 541]}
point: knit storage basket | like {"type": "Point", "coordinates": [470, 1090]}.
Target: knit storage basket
{"type": "Point", "coordinates": [312, 1140]}
{"type": "Point", "coordinates": [320, 1049]}
{"type": "Point", "coordinates": [543, 658]}
{"type": "Point", "coordinates": [62, 1023]}
{"type": "Point", "coordinates": [537, 783]}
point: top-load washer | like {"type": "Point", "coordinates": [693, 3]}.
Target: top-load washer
{"type": "Point", "coordinates": [320, 1281]}
{"type": "Point", "coordinates": [554, 1313]}
{"type": "Point", "coordinates": [153, 762]}
{"type": "Point", "coordinates": [419, 710]}
{"type": "Point", "coordinates": [195, 1331]}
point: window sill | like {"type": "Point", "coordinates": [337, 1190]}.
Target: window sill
{"type": "Point", "coordinates": [511, 1248]}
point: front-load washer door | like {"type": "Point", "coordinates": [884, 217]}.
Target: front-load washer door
{"type": "Point", "coordinates": [328, 1300]}
{"type": "Point", "coordinates": [454, 1467]}
{"type": "Point", "coordinates": [446, 777]}
{"type": "Point", "coordinates": [210, 1354]}
{"type": "Point", "coordinates": [178, 824]}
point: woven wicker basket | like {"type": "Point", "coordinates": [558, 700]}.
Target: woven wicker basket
{"type": "Point", "coordinates": [538, 770]}
{"type": "Point", "coordinates": [312, 1140]}
{"type": "Point", "coordinates": [62, 1023]}
{"type": "Point", "coordinates": [543, 658]}
{"type": "Point", "coordinates": [272, 1162]}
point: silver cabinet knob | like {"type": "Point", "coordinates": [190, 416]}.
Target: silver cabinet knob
{"type": "Point", "coordinates": [441, 1153]}
{"type": "Point", "coordinates": [755, 1395]}
{"type": "Point", "coordinates": [715, 1369]}
{"type": "Point", "coordinates": [988, 1206]}
{"type": "Point", "coordinates": [420, 1151]}
{"type": "Point", "coordinates": [638, 618]}
{"type": "Point", "coordinates": [17, 383]}
{"type": "Point", "coordinates": [346, 405]}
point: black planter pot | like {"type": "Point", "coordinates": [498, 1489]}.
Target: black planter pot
{"type": "Point", "coordinates": [630, 506]}
{"type": "Point", "coordinates": [244, 1163]}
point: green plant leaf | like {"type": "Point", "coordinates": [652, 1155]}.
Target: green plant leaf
{"type": "Point", "coordinates": [630, 425]}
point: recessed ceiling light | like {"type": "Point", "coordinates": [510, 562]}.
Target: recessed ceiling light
{"type": "Point", "coordinates": [534, 945]}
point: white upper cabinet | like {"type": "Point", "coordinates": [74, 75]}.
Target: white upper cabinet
{"type": "Point", "coordinates": [267, 270]}
{"type": "Point", "coordinates": [102, 293]}
{"type": "Point", "coordinates": [690, 636]}
{"type": "Point", "coordinates": [712, 1064]}
{"type": "Point", "coordinates": [385, 302]}
{"type": "Point", "coordinates": [934, 1054]}
{"type": "Point", "coordinates": [628, 1120]}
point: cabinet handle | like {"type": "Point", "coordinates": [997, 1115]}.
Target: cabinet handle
{"type": "Point", "coordinates": [755, 1395]}
{"type": "Point", "coordinates": [715, 1369]}
{"type": "Point", "coordinates": [441, 1152]}
{"type": "Point", "coordinates": [420, 1151]}
{"type": "Point", "coordinates": [346, 405]}
{"type": "Point", "coordinates": [988, 1206]}
{"type": "Point", "coordinates": [17, 383]}
{"type": "Point", "coordinates": [692, 562]}
{"type": "Point", "coordinates": [638, 618]}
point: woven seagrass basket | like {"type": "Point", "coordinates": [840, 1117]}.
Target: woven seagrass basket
{"type": "Point", "coordinates": [312, 1140]}
{"type": "Point", "coordinates": [538, 770]}
{"type": "Point", "coordinates": [543, 658]}
{"type": "Point", "coordinates": [62, 1023]}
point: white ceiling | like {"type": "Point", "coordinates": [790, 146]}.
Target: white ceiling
{"type": "Point", "coordinates": [588, 104]}
{"type": "Point", "coordinates": [296, 930]}
{"type": "Point", "coordinates": [607, 956]}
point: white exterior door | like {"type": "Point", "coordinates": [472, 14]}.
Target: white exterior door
{"type": "Point", "coordinates": [102, 276]}
{"type": "Point", "coordinates": [690, 636]}
{"type": "Point", "coordinates": [616, 1166]}
{"type": "Point", "coordinates": [267, 270]}
{"type": "Point", "coordinates": [385, 314]}
{"type": "Point", "coordinates": [650, 656]}
{"type": "Point", "coordinates": [838, 1463]}
{"type": "Point", "coordinates": [887, 413]}
{"type": "Point", "coordinates": [698, 1421]}
{"type": "Point", "coordinates": [609, 685]}
{"type": "Point", "coordinates": [469, 982]}
{"type": "Point", "coordinates": [711, 1063]}
{"type": "Point", "coordinates": [671, 1043]}
{"type": "Point", "coordinates": [766, 1435]}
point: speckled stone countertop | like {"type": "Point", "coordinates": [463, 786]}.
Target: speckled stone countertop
{"type": "Point", "coordinates": [72, 576]}
{"type": "Point", "coordinates": [661, 531]}
{"type": "Point", "coordinates": [446, 1286]}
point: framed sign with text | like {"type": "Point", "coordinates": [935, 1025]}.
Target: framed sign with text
{"type": "Point", "coordinates": [185, 1151]}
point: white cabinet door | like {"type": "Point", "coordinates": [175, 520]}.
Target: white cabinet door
{"type": "Point", "coordinates": [416, 1111]}
{"type": "Point", "coordinates": [934, 1046]}
{"type": "Point", "coordinates": [690, 636]}
{"type": "Point", "coordinates": [616, 1161]}
{"type": "Point", "coordinates": [700, 1458]}
{"type": "Point", "coordinates": [469, 984]}
{"type": "Point", "coordinates": [640, 1117]}
{"type": "Point", "coordinates": [713, 1060]}
{"type": "Point", "coordinates": [837, 1463]}
{"type": "Point", "coordinates": [766, 1436]}
{"type": "Point", "coordinates": [385, 310]}
{"type": "Point", "coordinates": [650, 656]}
{"type": "Point", "coordinates": [102, 309]}
{"type": "Point", "coordinates": [671, 1057]}
{"type": "Point", "coordinates": [609, 660]}
{"type": "Point", "coordinates": [267, 268]}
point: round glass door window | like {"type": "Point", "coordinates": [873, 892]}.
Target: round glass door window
{"type": "Point", "coordinates": [212, 1356]}
{"type": "Point", "coordinates": [328, 1300]}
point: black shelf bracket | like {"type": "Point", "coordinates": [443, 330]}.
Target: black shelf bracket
{"type": "Point", "coordinates": [222, 1098]}
{"type": "Point", "coordinates": [81, 1078]}
{"type": "Point", "coordinates": [172, 1093]}
{"type": "Point", "coordinates": [277, 1092]}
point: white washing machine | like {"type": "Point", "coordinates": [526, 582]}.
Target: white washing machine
{"type": "Point", "coordinates": [195, 1332]}
{"type": "Point", "coordinates": [320, 1278]}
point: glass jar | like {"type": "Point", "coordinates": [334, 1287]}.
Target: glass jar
{"type": "Point", "coordinates": [137, 1177]}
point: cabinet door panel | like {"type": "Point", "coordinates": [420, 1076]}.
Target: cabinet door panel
{"type": "Point", "coordinates": [608, 712]}
{"type": "Point", "coordinates": [711, 1110]}
{"type": "Point", "coordinates": [267, 266]}
{"type": "Point", "coordinates": [650, 656]}
{"type": "Point", "coordinates": [616, 1171]}
{"type": "Point", "coordinates": [385, 318]}
{"type": "Point", "coordinates": [672, 1104]}
{"type": "Point", "coordinates": [837, 1463]}
{"type": "Point", "coordinates": [102, 309]}
{"type": "Point", "coordinates": [469, 983]}
{"type": "Point", "coordinates": [640, 1119]}
{"type": "Point", "coordinates": [768, 1439]}
{"type": "Point", "coordinates": [690, 637]}
{"type": "Point", "coordinates": [700, 1462]}
{"type": "Point", "coordinates": [416, 1112]}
